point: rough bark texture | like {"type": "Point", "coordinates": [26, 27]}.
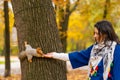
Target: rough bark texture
{"type": "Point", "coordinates": [35, 23]}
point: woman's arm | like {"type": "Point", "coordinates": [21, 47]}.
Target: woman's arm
{"type": "Point", "coordinates": [81, 58]}
{"type": "Point", "coordinates": [77, 59]}
{"type": "Point", "coordinates": [55, 55]}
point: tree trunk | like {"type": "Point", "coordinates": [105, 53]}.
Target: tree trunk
{"type": "Point", "coordinates": [35, 23]}
{"type": "Point", "coordinates": [64, 15]}
{"type": "Point", "coordinates": [7, 40]}
{"type": "Point", "coordinates": [107, 5]}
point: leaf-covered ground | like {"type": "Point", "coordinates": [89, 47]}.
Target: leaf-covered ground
{"type": "Point", "coordinates": [77, 75]}
{"type": "Point", "coordinates": [72, 75]}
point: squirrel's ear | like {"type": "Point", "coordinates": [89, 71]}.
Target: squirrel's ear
{"type": "Point", "coordinates": [38, 48]}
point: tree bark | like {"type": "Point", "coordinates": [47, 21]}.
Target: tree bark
{"type": "Point", "coordinates": [36, 24]}
{"type": "Point", "coordinates": [7, 40]}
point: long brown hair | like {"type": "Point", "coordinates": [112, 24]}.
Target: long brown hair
{"type": "Point", "coordinates": [105, 28]}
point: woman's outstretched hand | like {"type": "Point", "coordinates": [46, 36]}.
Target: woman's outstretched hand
{"type": "Point", "coordinates": [49, 55]}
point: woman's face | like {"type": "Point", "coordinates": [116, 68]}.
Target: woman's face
{"type": "Point", "coordinates": [97, 36]}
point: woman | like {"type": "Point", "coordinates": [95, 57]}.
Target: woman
{"type": "Point", "coordinates": [103, 57]}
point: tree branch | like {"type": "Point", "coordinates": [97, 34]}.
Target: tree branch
{"type": "Point", "coordinates": [74, 7]}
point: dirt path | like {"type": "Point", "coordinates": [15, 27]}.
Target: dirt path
{"type": "Point", "coordinates": [15, 65]}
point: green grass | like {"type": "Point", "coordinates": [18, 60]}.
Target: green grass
{"type": "Point", "coordinates": [3, 62]}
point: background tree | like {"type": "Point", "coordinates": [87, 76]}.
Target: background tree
{"type": "Point", "coordinates": [36, 24]}
{"type": "Point", "coordinates": [7, 40]}
{"type": "Point", "coordinates": [63, 9]}
{"type": "Point", "coordinates": [107, 6]}
{"type": "Point", "coordinates": [82, 20]}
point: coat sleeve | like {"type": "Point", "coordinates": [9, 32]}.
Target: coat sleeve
{"type": "Point", "coordinates": [78, 59]}
{"type": "Point", "coordinates": [116, 64]}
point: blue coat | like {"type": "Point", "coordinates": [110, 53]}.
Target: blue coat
{"type": "Point", "coordinates": [81, 58]}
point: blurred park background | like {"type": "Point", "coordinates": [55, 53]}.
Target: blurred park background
{"type": "Point", "coordinates": [75, 22]}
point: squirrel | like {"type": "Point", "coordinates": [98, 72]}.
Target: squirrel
{"type": "Point", "coordinates": [30, 52]}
